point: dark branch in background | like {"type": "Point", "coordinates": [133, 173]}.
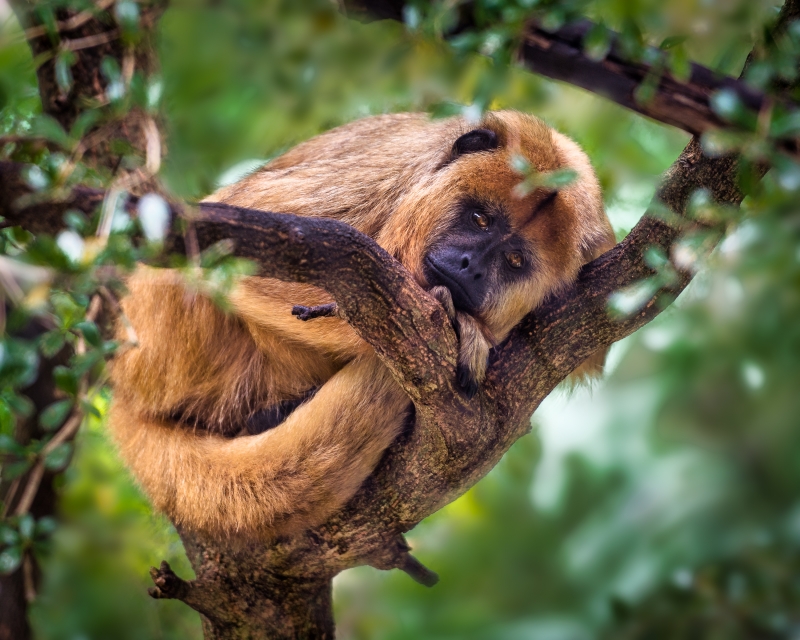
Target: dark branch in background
{"type": "Point", "coordinates": [684, 104]}
{"type": "Point", "coordinates": [560, 55]}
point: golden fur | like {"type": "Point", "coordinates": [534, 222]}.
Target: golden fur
{"type": "Point", "coordinates": [198, 374]}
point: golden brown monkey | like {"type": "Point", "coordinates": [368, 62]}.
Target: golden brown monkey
{"type": "Point", "coordinates": [197, 402]}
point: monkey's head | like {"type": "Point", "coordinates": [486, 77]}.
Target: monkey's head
{"type": "Point", "coordinates": [499, 240]}
{"type": "Point", "coordinates": [461, 205]}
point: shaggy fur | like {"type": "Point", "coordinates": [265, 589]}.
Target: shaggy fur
{"type": "Point", "coordinates": [198, 374]}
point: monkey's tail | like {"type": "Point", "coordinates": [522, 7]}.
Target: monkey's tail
{"type": "Point", "coordinates": [275, 483]}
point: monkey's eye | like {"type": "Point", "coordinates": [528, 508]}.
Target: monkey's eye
{"type": "Point", "coordinates": [515, 259]}
{"type": "Point", "coordinates": [482, 220]}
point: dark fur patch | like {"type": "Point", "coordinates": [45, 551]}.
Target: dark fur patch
{"type": "Point", "coordinates": [270, 417]}
{"type": "Point", "coordinates": [474, 141]}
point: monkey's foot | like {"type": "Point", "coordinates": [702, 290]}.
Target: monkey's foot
{"type": "Point", "coordinates": [168, 585]}
{"type": "Point", "coordinates": [466, 380]}
{"type": "Point", "coordinates": [445, 298]}
{"type": "Point", "coordinates": [320, 311]}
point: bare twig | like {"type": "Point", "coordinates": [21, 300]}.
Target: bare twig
{"type": "Point", "coordinates": [37, 472]}
{"type": "Point", "coordinates": [90, 41]}
{"type": "Point", "coordinates": [560, 55]}
{"type": "Point", "coordinates": [28, 577]}
{"type": "Point", "coordinates": [74, 22]}
{"type": "Point", "coordinates": [10, 495]}
{"type": "Point", "coordinates": [133, 340]}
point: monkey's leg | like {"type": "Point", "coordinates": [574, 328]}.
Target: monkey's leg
{"type": "Point", "coordinates": [278, 482]}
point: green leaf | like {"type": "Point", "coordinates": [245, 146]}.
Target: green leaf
{"type": "Point", "coordinates": [110, 347]}
{"type": "Point", "coordinates": [672, 41]}
{"type": "Point", "coordinates": [51, 343]}
{"type": "Point", "coordinates": [15, 469]}
{"type": "Point", "coordinates": [77, 220]}
{"type": "Point", "coordinates": [9, 445]}
{"type": "Point", "coordinates": [45, 526]}
{"type": "Point", "coordinates": [557, 179]}
{"type": "Point", "coordinates": [646, 90]}
{"type": "Point", "coordinates": [215, 253]}
{"type": "Point", "coordinates": [64, 61]}
{"type": "Point", "coordinates": [44, 251]}
{"type": "Point", "coordinates": [54, 415]}
{"type": "Point", "coordinates": [90, 332]}
{"type": "Point", "coordinates": [67, 309]}
{"type": "Point", "coordinates": [58, 458]}
{"type": "Point", "coordinates": [9, 536]}
{"type": "Point", "coordinates": [49, 128]}
{"type": "Point", "coordinates": [7, 420]}
{"type": "Point", "coordinates": [82, 363]}
{"type": "Point", "coordinates": [10, 559]}
{"type": "Point", "coordinates": [21, 405]}
{"type": "Point", "coordinates": [90, 409]}
{"type": "Point", "coordinates": [679, 64]}
{"type": "Point", "coordinates": [26, 526]}
{"type": "Point", "coordinates": [597, 42]}
{"type": "Point", "coordinates": [83, 123]}
{"type": "Point", "coordinates": [66, 379]}
{"type": "Point", "coordinates": [127, 15]}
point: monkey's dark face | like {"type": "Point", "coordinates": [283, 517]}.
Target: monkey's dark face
{"type": "Point", "coordinates": [481, 253]}
{"type": "Point", "coordinates": [498, 238]}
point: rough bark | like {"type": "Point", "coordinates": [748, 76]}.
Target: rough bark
{"type": "Point", "coordinates": [282, 590]}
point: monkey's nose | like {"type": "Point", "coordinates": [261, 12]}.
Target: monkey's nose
{"type": "Point", "coordinates": [474, 273]}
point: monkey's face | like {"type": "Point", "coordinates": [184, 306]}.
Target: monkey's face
{"type": "Point", "coordinates": [498, 243]}
{"type": "Point", "coordinates": [480, 254]}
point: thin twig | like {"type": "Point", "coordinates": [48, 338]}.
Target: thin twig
{"type": "Point", "coordinates": [35, 477]}
{"type": "Point", "coordinates": [90, 41]}
{"type": "Point", "coordinates": [9, 497]}
{"type": "Point", "coordinates": [69, 24]}
{"type": "Point", "coordinates": [133, 339]}
{"type": "Point", "coordinates": [152, 146]}
{"type": "Point", "coordinates": [27, 577]}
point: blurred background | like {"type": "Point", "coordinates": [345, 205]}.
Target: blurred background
{"type": "Point", "coordinates": [660, 503]}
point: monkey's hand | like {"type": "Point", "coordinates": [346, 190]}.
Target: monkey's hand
{"type": "Point", "coordinates": [473, 348]}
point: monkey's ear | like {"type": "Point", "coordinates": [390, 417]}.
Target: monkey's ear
{"type": "Point", "coordinates": [475, 140]}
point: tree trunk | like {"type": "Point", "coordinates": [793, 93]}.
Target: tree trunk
{"type": "Point", "coordinates": [239, 595]}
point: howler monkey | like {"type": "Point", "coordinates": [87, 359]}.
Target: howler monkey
{"type": "Point", "coordinates": [447, 199]}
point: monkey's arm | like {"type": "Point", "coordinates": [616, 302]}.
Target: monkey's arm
{"type": "Point", "coordinates": [275, 483]}
{"type": "Point", "coordinates": [473, 353]}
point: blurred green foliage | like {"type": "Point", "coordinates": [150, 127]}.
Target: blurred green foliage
{"type": "Point", "coordinates": [661, 504]}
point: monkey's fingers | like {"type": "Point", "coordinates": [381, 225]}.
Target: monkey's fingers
{"type": "Point", "coordinates": [445, 298]}
{"type": "Point", "coordinates": [168, 585]}
{"type": "Point", "coordinates": [320, 311]}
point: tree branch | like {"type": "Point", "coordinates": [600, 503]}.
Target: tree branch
{"type": "Point", "coordinates": [560, 55]}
